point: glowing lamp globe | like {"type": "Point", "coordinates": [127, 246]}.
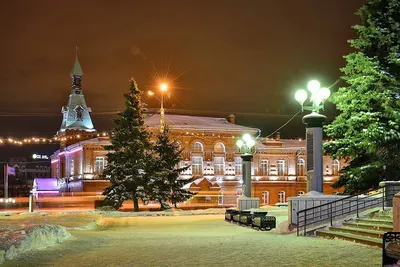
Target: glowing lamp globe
{"type": "Point", "coordinates": [239, 143]}
{"type": "Point", "coordinates": [250, 143]}
{"type": "Point", "coordinates": [246, 137]}
{"type": "Point", "coordinates": [313, 86]}
{"type": "Point", "coordinates": [324, 93]}
{"type": "Point", "coordinates": [150, 93]}
{"type": "Point", "coordinates": [301, 96]}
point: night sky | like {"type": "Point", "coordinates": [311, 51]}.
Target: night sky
{"type": "Point", "coordinates": [241, 57]}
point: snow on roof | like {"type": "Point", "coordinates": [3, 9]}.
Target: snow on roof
{"type": "Point", "coordinates": [198, 123]}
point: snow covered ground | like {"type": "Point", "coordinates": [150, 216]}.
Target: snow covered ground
{"type": "Point", "coordinates": [196, 240]}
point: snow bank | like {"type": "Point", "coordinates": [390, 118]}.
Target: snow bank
{"type": "Point", "coordinates": [39, 237]}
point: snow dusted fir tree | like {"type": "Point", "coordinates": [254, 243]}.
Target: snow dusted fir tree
{"type": "Point", "coordinates": [129, 152]}
{"type": "Point", "coordinates": [367, 131]}
{"type": "Point", "coordinates": [166, 184]}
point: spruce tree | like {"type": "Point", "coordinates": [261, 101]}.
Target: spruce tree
{"type": "Point", "coordinates": [367, 131]}
{"type": "Point", "coordinates": [166, 184]}
{"type": "Point", "coordinates": [129, 152]}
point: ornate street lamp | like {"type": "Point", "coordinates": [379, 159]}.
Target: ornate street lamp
{"type": "Point", "coordinates": [163, 88]}
{"type": "Point", "coordinates": [313, 124]}
{"type": "Point", "coordinates": [246, 145]}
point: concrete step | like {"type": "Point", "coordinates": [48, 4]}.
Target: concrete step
{"type": "Point", "coordinates": [358, 231]}
{"type": "Point", "coordinates": [378, 227]}
{"type": "Point", "coordinates": [381, 217]}
{"type": "Point", "coordinates": [375, 221]}
{"type": "Point", "coordinates": [350, 237]}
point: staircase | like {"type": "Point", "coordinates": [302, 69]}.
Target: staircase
{"type": "Point", "coordinates": [367, 231]}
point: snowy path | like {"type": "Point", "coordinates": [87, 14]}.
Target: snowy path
{"type": "Point", "coordinates": [195, 241]}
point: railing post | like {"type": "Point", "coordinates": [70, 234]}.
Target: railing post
{"type": "Point", "coordinates": [357, 206]}
{"type": "Point", "coordinates": [305, 223]}
{"type": "Point", "coordinates": [298, 225]}
{"type": "Point", "coordinates": [383, 198]}
{"type": "Point", "coordinates": [330, 205]}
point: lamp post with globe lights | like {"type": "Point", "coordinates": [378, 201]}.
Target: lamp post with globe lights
{"type": "Point", "coordinates": [246, 145]}
{"type": "Point", "coordinates": [163, 88]}
{"type": "Point", "coordinates": [314, 122]}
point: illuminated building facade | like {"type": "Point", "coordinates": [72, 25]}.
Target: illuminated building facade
{"type": "Point", "coordinates": [208, 147]}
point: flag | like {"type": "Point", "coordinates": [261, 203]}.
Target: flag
{"type": "Point", "coordinates": [10, 171]}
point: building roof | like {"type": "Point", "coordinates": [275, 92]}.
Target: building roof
{"type": "Point", "coordinates": [77, 70]}
{"type": "Point", "coordinates": [182, 122]}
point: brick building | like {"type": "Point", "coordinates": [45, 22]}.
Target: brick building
{"type": "Point", "coordinates": [208, 144]}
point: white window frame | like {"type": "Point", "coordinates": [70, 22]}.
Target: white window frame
{"type": "Point", "coordinates": [197, 147]}
{"type": "Point", "coordinates": [281, 167]}
{"type": "Point", "coordinates": [238, 166]}
{"type": "Point", "coordinates": [281, 196]}
{"type": "Point", "coordinates": [99, 164]}
{"type": "Point", "coordinates": [197, 167]}
{"type": "Point", "coordinates": [264, 167]}
{"type": "Point", "coordinates": [301, 167]}
{"type": "Point", "coordinates": [265, 197]}
{"type": "Point", "coordinates": [219, 167]}
{"type": "Point", "coordinates": [219, 147]}
{"type": "Point", "coordinates": [335, 167]}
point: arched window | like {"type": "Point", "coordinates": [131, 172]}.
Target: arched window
{"type": "Point", "coordinates": [281, 167]}
{"type": "Point", "coordinates": [301, 170]}
{"type": "Point", "coordinates": [265, 197]}
{"type": "Point", "coordinates": [300, 193]}
{"type": "Point", "coordinates": [238, 166]}
{"type": "Point", "coordinates": [335, 167]}
{"type": "Point", "coordinates": [264, 167]}
{"type": "Point", "coordinates": [219, 148]}
{"type": "Point", "coordinates": [282, 196]}
{"type": "Point", "coordinates": [197, 147]}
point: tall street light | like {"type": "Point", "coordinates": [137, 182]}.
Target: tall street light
{"type": "Point", "coordinates": [313, 124]}
{"type": "Point", "coordinates": [163, 88]}
{"type": "Point", "coordinates": [246, 145]}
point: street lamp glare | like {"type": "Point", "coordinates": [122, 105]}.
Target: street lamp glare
{"type": "Point", "coordinates": [163, 87]}
{"type": "Point", "coordinates": [313, 86]}
{"type": "Point", "coordinates": [324, 93]}
{"type": "Point", "coordinates": [301, 96]}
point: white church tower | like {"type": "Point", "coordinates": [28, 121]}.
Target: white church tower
{"type": "Point", "coordinates": [76, 123]}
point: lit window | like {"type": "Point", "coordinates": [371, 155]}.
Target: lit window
{"type": "Point", "coordinates": [72, 167]}
{"type": "Point", "coordinates": [197, 147]}
{"type": "Point", "coordinates": [282, 196]}
{"type": "Point", "coordinates": [264, 167]}
{"type": "Point", "coordinates": [238, 166]}
{"type": "Point", "coordinates": [281, 167]}
{"type": "Point", "coordinates": [219, 148]}
{"type": "Point", "coordinates": [99, 165]}
{"type": "Point", "coordinates": [265, 197]}
{"type": "Point", "coordinates": [219, 166]}
{"type": "Point", "coordinates": [301, 170]}
{"type": "Point", "coordinates": [335, 167]}
{"type": "Point", "coordinates": [197, 165]}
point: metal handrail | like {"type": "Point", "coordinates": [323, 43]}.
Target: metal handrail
{"type": "Point", "coordinates": [324, 214]}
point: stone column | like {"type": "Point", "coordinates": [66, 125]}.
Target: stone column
{"type": "Point", "coordinates": [313, 124]}
{"type": "Point", "coordinates": [247, 173]}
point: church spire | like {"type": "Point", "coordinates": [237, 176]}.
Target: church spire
{"type": "Point", "coordinates": [76, 115]}
{"type": "Point", "coordinates": [76, 73]}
